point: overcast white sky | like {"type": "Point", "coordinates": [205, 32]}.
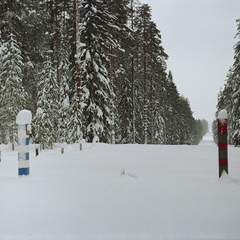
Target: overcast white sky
{"type": "Point", "coordinates": [198, 36]}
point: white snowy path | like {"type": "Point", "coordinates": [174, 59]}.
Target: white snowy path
{"type": "Point", "coordinates": [169, 192]}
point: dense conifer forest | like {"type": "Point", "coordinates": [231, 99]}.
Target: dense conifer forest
{"type": "Point", "coordinates": [90, 68]}
{"type": "Point", "coordinates": [229, 96]}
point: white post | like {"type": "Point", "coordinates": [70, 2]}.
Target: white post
{"type": "Point", "coordinates": [23, 120]}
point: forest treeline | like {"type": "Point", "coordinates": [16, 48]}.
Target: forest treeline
{"type": "Point", "coordinates": [229, 97]}
{"type": "Point", "coordinates": [89, 68]}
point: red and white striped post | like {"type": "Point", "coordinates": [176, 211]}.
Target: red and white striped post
{"type": "Point", "coordinates": [222, 141]}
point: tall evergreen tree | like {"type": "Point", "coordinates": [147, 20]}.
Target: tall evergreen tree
{"type": "Point", "coordinates": [157, 76]}
{"type": "Point", "coordinates": [171, 113]}
{"type": "Point", "coordinates": [75, 125]}
{"type": "Point", "coordinates": [64, 100]}
{"type": "Point", "coordinates": [48, 101]}
{"type": "Point", "coordinates": [150, 76]}
{"type": "Point", "coordinates": [187, 127]}
{"type": "Point", "coordinates": [74, 130]}
{"type": "Point", "coordinates": [229, 97]}
{"type": "Point", "coordinates": [64, 76]}
{"type": "Point", "coordinates": [95, 29]}
{"type": "Point", "coordinates": [131, 48]}
{"type": "Point", "coordinates": [26, 20]}
{"type": "Point", "coordinates": [225, 102]}
{"type": "Point", "coordinates": [12, 94]}
{"type": "Point", "coordinates": [119, 69]}
{"type": "Point", "coordinates": [143, 21]}
{"type": "Point", "coordinates": [236, 91]}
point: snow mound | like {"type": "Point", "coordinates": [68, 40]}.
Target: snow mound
{"type": "Point", "coordinates": [24, 117]}
{"type": "Point", "coordinates": [222, 115]}
{"type": "Point", "coordinates": [226, 179]}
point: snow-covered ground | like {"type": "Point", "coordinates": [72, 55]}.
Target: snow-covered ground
{"type": "Point", "coordinates": [167, 192]}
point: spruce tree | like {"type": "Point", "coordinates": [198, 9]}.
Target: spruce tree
{"type": "Point", "coordinates": [229, 97]}
{"type": "Point", "coordinates": [48, 101]}
{"type": "Point", "coordinates": [64, 76]}
{"type": "Point", "coordinates": [172, 105]}
{"type": "Point", "coordinates": [187, 127]}
{"type": "Point", "coordinates": [235, 111]}
{"type": "Point", "coordinates": [12, 94]}
{"type": "Point", "coordinates": [74, 130]}
{"type": "Point", "coordinates": [71, 86]}
{"type": "Point", "coordinates": [157, 76]}
{"type": "Point", "coordinates": [96, 25]}
{"type": "Point", "coordinates": [64, 101]}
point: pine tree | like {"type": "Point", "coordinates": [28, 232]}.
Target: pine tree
{"type": "Point", "coordinates": [119, 73]}
{"type": "Point", "coordinates": [150, 74]}
{"type": "Point", "coordinates": [131, 48]}
{"type": "Point", "coordinates": [142, 21]}
{"type": "Point", "coordinates": [117, 68]}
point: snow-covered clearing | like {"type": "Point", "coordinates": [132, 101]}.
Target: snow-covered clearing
{"type": "Point", "coordinates": [168, 192]}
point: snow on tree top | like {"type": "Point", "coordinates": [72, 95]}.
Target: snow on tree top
{"type": "Point", "coordinates": [222, 114]}
{"type": "Point", "coordinates": [24, 117]}
{"type": "Point", "coordinates": [39, 111]}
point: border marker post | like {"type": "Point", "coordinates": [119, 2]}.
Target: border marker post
{"type": "Point", "coordinates": [222, 141]}
{"type": "Point", "coordinates": [23, 121]}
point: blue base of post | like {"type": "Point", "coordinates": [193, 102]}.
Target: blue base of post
{"type": "Point", "coordinates": [23, 171]}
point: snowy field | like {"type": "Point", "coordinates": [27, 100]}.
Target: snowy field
{"type": "Point", "coordinates": [167, 192]}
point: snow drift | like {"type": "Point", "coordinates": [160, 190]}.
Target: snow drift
{"type": "Point", "coordinates": [167, 192]}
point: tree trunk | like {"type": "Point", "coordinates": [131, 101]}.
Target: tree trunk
{"type": "Point", "coordinates": [77, 60]}
{"type": "Point", "coordinates": [145, 118]}
{"type": "Point", "coordinates": [133, 87]}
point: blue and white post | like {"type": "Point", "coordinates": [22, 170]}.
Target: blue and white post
{"type": "Point", "coordinates": [24, 119]}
